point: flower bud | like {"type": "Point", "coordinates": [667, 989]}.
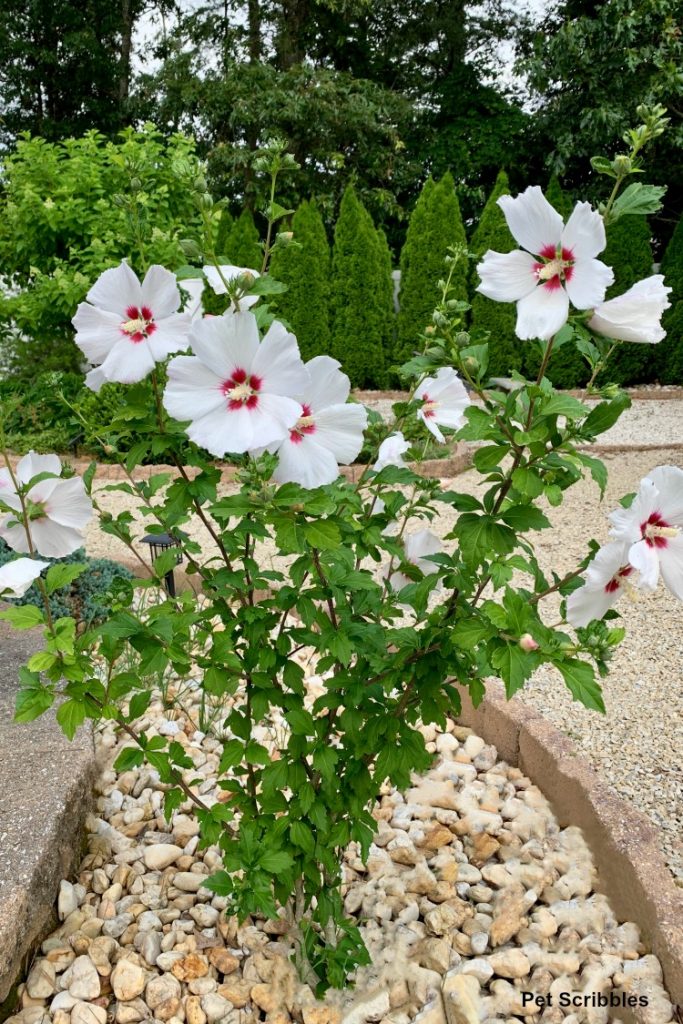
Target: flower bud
{"type": "Point", "coordinates": [430, 329]}
{"type": "Point", "coordinates": [471, 364]}
{"type": "Point", "coordinates": [286, 236]}
{"type": "Point", "coordinates": [247, 279]}
{"type": "Point", "coordinates": [462, 339]}
{"type": "Point", "coordinates": [527, 643]}
{"type": "Point", "coordinates": [622, 164]}
{"type": "Point", "coordinates": [135, 184]}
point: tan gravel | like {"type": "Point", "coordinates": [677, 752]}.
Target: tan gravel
{"type": "Point", "coordinates": [637, 745]}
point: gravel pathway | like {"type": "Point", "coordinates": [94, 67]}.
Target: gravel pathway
{"type": "Point", "coordinates": [636, 746]}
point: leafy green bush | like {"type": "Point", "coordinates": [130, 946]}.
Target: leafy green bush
{"type": "Point", "coordinates": [669, 356]}
{"type": "Point", "coordinates": [361, 296]}
{"type": "Point", "coordinates": [506, 352]}
{"type": "Point", "coordinates": [240, 242]}
{"type": "Point", "coordinates": [65, 217]}
{"type": "Point", "coordinates": [305, 269]}
{"type": "Point", "coordinates": [87, 598]}
{"type": "Point", "coordinates": [434, 225]}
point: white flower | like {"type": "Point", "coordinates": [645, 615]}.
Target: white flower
{"type": "Point", "coordinates": [652, 529]}
{"type": "Point", "coordinates": [558, 265]}
{"type": "Point", "coordinates": [417, 547]}
{"type": "Point", "coordinates": [605, 581]}
{"type": "Point", "coordinates": [239, 393]}
{"type": "Point", "coordinates": [444, 400]}
{"type": "Point", "coordinates": [327, 434]}
{"type": "Point", "coordinates": [58, 510]}
{"type": "Point", "coordinates": [636, 315]}
{"type": "Point", "coordinates": [391, 452]}
{"type": "Point", "coordinates": [17, 576]}
{"type": "Point", "coordinates": [125, 327]}
{"type": "Point", "coordinates": [229, 274]}
{"type": "Point", "coordinates": [194, 286]}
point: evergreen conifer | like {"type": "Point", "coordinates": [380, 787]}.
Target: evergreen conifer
{"type": "Point", "coordinates": [305, 269]}
{"type": "Point", "coordinates": [434, 225]}
{"type": "Point", "coordinates": [498, 318]}
{"type": "Point", "coordinates": [361, 302]}
{"type": "Point", "coordinates": [629, 254]}
{"type": "Point", "coordinates": [242, 243]}
{"type": "Point", "coordinates": [669, 357]}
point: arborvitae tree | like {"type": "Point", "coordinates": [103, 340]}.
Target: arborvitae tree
{"type": "Point", "coordinates": [629, 254]}
{"type": "Point", "coordinates": [242, 243]}
{"type": "Point", "coordinates": [225, 226]}
{"type": "Point", "coordinates": [505, 349]}
{"type": "Point", "coordinates": [669, 356]}
{"type": "Point", "coordinates": [558, 198]}
{"type": "Point", "coordinates": [361, 308]}
{"type": "Point", "coordinates": [305, 269]}
{"type": "Point", "coordinates": [434, 225]}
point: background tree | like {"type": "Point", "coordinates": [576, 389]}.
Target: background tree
{"type": "Point", "coordinates": [629, 253]}
{"type": "Point", "coordinates": [435, 224]}
{"type": "Point", "coordinates": [361, 296]}
{"type": "Point", "coordinates": [241, 242]}
{"type": "Point", "coordinates": [498, 318]}
{"type": "Point", "coordinates": [670, 351]}
{"type": "Point", "coordinates": [305, 269]}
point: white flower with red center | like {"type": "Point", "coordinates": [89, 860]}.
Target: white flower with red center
{"type": "Point", "coordinates": [607, 577]}
{"type": "Point", "coordinates": [228, 277]}
{"type": "Point", "coordinates": [327, 434]}
{"type": "Point", "coordinates": [636, 315]}
{"type": "Point", "coordinates": [444, 400]}
{"type": "Point", "coordinates": [17, 576]}
{"type": "Point", "coordinates": [417, 548]}
{"type": "Point", "coordinates": [652, 528]}
{"type": "Point", "coordinates": [57, 510]}
{"type": "Point", "coordinates": [391, 452]}
{"type": "Point", "coordinates": [556, 264]}
{"type": "Point", "coordinates": [125, 328]}
{"type": "Point", "coordinates": [237, 392]}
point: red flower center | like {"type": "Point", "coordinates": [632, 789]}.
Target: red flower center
{"type": "Point", "coordinates": [304, 425]}
{"type": "Point", "coordinates": [617, 580]}
{"type": "Point", "coordinates": [655, 531]}
{"type": "Point", "coordinates": [242, 389]}
{"type": "Point", "coordinates": [556, 268]}
{"type": "Point", "coordinates": [429, 407]}
{"type": "Point", "coordinates": [139, 325]}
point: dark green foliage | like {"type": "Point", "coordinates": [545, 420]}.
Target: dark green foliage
{"type": "Point", "coordinates": [241, 243]}
{"type": "Point", "coordinates": [435, 224]}
{"type": "Point", "coordinates": [225, 226]}
{"type": "Point", "coordinates": [670, 351]}
{"type": "Point", "coordinates": [558, 198]}
{"type": "Point", "coordinates": [629, 253]}
{"type": "Point", "coordinates": [86, 599]}
{"type": "Point", "coordinates": [361, 296]}
{"type": "Point", "coordinates": [305, 269]}
{"type": "Point", "coordinates": [506, 351]}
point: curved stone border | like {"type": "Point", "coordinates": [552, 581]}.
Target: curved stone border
{"type": "Point", "coordinates": [631, 869]}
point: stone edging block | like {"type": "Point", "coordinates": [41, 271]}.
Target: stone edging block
{"type": "Point", "coordinates": [631, 869]}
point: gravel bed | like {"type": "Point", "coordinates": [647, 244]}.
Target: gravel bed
{"type": "Point", "coordinates": [472, 895]}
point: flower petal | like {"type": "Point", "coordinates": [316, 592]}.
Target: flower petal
{"type": "Point", "coordinates": [431, 425]}
{"type": "Point", "coordinates": [340, 428]}
{"type": "Point", "coordinates": [116, 290]}
{"type": "Point", "coordinates": [645, 559]}
{"type": "Point", "coordinates": [587, 281]}
{"type": "Point", "coordinates": [172, 335]}
{"type": "Point", "coordinates": [193, 390]}
{"type": "Point", "coordinates": [584, 233]}
{"type": "Point", "coordinates": [329, 386]}
{"type": "Point", "coordinates": [669, 483]}
{"type": "Point", "coordinates": [128, 362]}
{"type": "Point", "coordinates": [588, 603]}
{"type": "Point", "coordinates": [54, 540]}
{"type": "Point", "coordinates": [226, 343]}
{"type": "Point", "coordinates": [636, 315]}
{"type": "Point", "coordinates": [279, 364]}
{"type": "Point", "coordinates": [17, 576]}
{"type": "Point", "coordinates": [160, 291]}
{"type": "Point", "coordinates": [542, 314]}
{"type": "Point", "coordinates": [221, 431]}
{"type": "Point", "coordinates": [69, 505]}
{"type": "Point", "coordinates": [532, 221]}
{"type": "Point", "coordinates": [671, 566]}
{"type": "Point", "coordinates": [307, 463]}
{"type": "Point", "coordinates": [33, 464]}
{"type": "Point", "coordinates": [97, 331]}
{"type": "Point", "coordinates": [507, 276]}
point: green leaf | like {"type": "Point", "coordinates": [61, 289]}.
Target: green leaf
{"type": "Point", "coordinates": [70, 715]}
{"type": "Point", "coordinates": [469, 632]}
{"type": "Point", "coordinates": [605, 415]}
{"type": "Point", "coordinates": [276, 861]}
{"type": "Point", "coordinates": [527, 482]}
{"type": "Point", "coordinates": [514, 666]}
{"type": "Point", "coordinates": [26, 616]}
{"type": "Point", "coordinates": [173, 798]}
{"type": "Point", "coordinates": [565, 405]}
{"type": "Point", "coordinates": [482, 535]}
{"type": "Point", "coordinates": [322, 535]}
{"type": "Point", "coordinates": [638, 199]}
{"type": "Point", "coordinates": [525, 517]}
{"type": "Point", "coordinates": [580, 678]}
{"type": "Point", "coordinates": [597, 469]}
{"type": "Point", "coordinates": [301, 722]}
{"type": "Point", "coordinates": [324, 761]}
{"type": "Point", "coordinates": [603, 166]}
{"type": "Point", "coordinates": [302, 836]}
{"type": "Point", "coordinates": [41, 662]}
{"type": "Point", "coordinates": [139, 704]}
{"type": "Point", "coordinates": [220, 883]}
{"type": "Point", "coordinates": [486, 459]}
{"type": "Point", "coordinates": [130, 757]}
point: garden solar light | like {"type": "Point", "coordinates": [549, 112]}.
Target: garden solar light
{"type": "Point", "coordinates": [159, 542]}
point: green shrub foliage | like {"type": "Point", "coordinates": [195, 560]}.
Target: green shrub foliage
{"type": "Point", "coordinates": [670, 351]}
{"type": "Point", "coordinates": [498, 318]}
{"type": "Point", "coordinates": [88, 598]}
{"type": "Point", "coordinates": [361, 297]}
{"type": "Point", "coordinates": [434, 225]}
{"type": "Point", "coordinates": [305, 269]}
{"type": "Point", "coordinates": [66, 218]}
{"type": "Point", "coordinates": [241, 243]}
{"type": "Point", "coordinates": [558, 198]}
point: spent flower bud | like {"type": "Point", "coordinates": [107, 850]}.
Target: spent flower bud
{"type": "Point", "coordinates": [527, 643]}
